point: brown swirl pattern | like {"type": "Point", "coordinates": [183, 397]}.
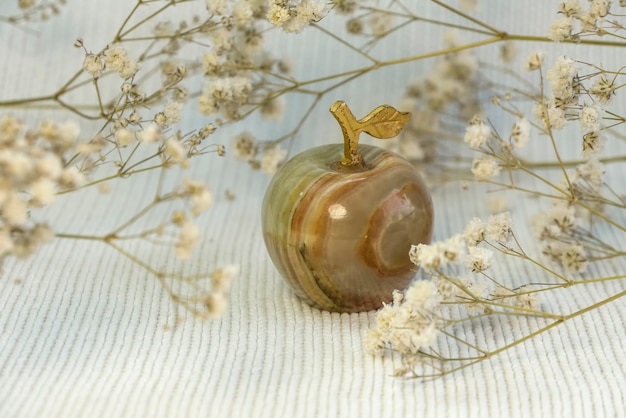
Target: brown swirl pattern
{"type": "Point", "coordinates": [341, 239]}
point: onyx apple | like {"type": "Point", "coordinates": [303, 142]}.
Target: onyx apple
{"type": "Point", "coordinates": [339, 220]}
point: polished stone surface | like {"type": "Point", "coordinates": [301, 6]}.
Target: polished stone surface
{"type": "Point", "coordinates": [340, 237]}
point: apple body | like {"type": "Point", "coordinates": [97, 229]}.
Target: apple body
{"type": "Point", "coordinates": [340, 236]}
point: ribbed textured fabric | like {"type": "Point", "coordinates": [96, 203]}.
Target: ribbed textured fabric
{"type": "Point", "coordinates": [82, 329]}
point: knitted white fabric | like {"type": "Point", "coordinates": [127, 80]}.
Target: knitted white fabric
{"type": "Point", "coordinates": [82, 328]}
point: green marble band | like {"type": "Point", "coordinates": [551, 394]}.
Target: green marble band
{"type": "Point", "coordinates": [341, 237]}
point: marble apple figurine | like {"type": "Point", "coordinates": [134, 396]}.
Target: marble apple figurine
{"type": "Point", "coordinates": [339, 220]}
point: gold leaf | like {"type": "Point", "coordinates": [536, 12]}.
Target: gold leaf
{"type": "Point", "coordinates": [384, 122]}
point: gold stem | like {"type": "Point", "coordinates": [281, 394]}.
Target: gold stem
{"type": "Point", "coordinates": [351, 130]}
{"type": "Point", "coordinates": [383, 122]}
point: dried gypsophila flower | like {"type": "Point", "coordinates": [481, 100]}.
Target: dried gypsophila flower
{"type": "Point", "coordinates": [591, 173]}
{"type": "Point", "coordinates": [570, 8]}
{"type": "Point", "coordinates": [272, 159]}
{"type": "Point", "coordinates": [243, 13]}
{"type": "Point", "coordinates": [559, 220]}
{"type": "Point", "coordinates": [520, 133]}
{"type": "Point", "coordinates": [409, 324]}
{"type": "Point", "coordinates": [245, 146]}
{"type": "Point", "coordinates": [603, 89]}
{"type": "Point", "coordinates": [474, 232]}
{"type": "Point", "coordinates": [273, 109]}
{"type": "Point", "coordinates": [150, 134]}
{"type": "Point", "coordinates": [517, 298]}
{"type": "Point", "coordinates": [199, 194]}
{"type": "Point", "coordinates": [590, 118]}
{"type": "Point", "coordinates": [216, 7]}
{"type": "Point", "coordinates": [222, 278]}
{"type": "Point", "coordinates": [497, 204]}
{"type": "Point", "coordinates": [295, 17]}
{"type": "Point", "coordinates": [25, 4]}
{"type": "Point", "coordinates": [437, 255]}
{"type": "Point", "coordinates": [562, 80]}
{"type": "Point", "coordinates": [599, 8]}
{"type": "Point", "coordinates": [211, 63]}
{"type": "Point", "coordinates": [549, 114]}
{"type": "Point", "coordinates": [593, 143]}
{"type": "Point", "coordinates": [574, 259]}
{"type": "Point", "coordinates": [344, 7]}
{"type": "Point", "coordinates": [188, 238]}
{"type": "Point", "coordinates": [124, 137]}
{"type": "Point", "coordinates": [93, 64]}
{"type": "Point", "coordinates": [498, 227]}
{"type": "Point", "coordinates": [380, 23]}
{"type": "Point", "coordinates": [176, 151]}
{"type": "Point", "coordinates": [477, 134]}
{"type": "Point", "coordinates": [508, 52]}
{"type": "Point", "coordinates": [33, 171]}
{"type": "Point", "coordinates": [426, 256]}
{"type": "Point", "coordinates": [485, 168]}
{"type": "Point", "coordinates": [479, 259]}
{"type": "Point", "coordinates": [475, 305]}
{"type": "Point", "coordinates": [534, 61]}
{"type": "Point", "coordinates": [116, 58]}
{"type": "Point", "coordinates": [561, 29]}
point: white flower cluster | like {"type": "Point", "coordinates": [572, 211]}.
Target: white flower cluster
{"type": "Point", "coordinates": [522, 297]}
{"type": "Point", "coordinates": [562, 227]}
{"type": "Point", "coordinates": [410, 324]}
{"type": "Point", "coordinates": [480, 138]}
{"type": "Point", "coordinates": [463, 248]}
{"type": "Point", "coordinates": [25, 4]}
{"type": "Point", "coordinates": [114, 58]}
{"type": "Point", "coordinates": [175, 151]}
{"type": "Point", "coordinates": [498, 228]}
{"type": "Point", "coordinates": [188, 238]}
{"type": "Point", "coordinates": [472, 293]}
{"type": "Point", "coordinates": [374, 22]}
{"type": "Point", "coordinates": [231, 89]}
{"type": "Point", "coordinates": [565, 87]}
{"type": "Point", "coordinates": [221, 279]}
{"type": "Point", "coordinates": [520, 133]}
{"type": "Point", "coordinates": [576, 21]}
{"type": "Point", "coordinates": [437, 255]}
{"type": "Point", "coordinates": [485, 167]}
{"type": "Point", "coordinates": [170, 115]}
{"type": "Point", "coordinates": [380, 23]}
{"type": "Point", "coordinates": [550, 114]}
{"type": "Point", "coordinates": [273, 108]}
{"type": "Point", "coordinates": [413, 321]}
{"type": "Point", "coordinates": [245, 146]}
{"type": "Point", "coordinates": [200, 199]}
{"type": "Point", "coordinates": [603, 89]}
{"type": "Point", "coordinates": [225, 95]}
{"type": "Point", "coordinates": [566, 103]}
{"type": "Point", "coordinates": [149, 135]}
{"type": "Point", "coordinates": [534, 61]}
{"type": "Point", "coordinates": [562, 80]}
{"type": "Point", "coordinates": [272, 159]}
{"type": "Point", "coordinates": [31, 172]}
{"type": "Point", "coordinates": [557, 228]}
{"type": "Point", "coordinates": [451, 82]}
{"type": "Point", "coordinates": [199, 195]}
{"type": "Point", "coordinates": [477, 133]}
{"type": "Point", "coordinates": [292, 17]}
